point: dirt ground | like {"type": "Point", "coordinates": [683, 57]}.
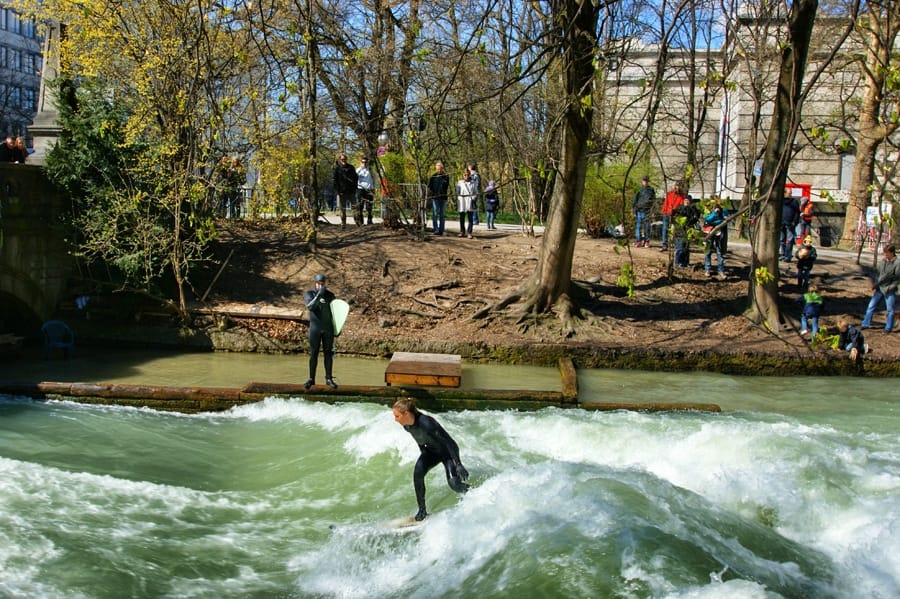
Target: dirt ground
{"type": "Point", "coordinates": [420, 295]}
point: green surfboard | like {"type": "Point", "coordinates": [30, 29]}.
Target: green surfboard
{"type": "Point", "coordinates": [339, 311]}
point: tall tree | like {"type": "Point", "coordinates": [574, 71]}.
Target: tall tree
{"type": "Point", "coordinates": [782, 131]}
{"type": "Point", "coordinates": [574, 29]}
{"type": "Point", "coordinates": [878, 31]}
{"type": "Point", "coordinates": [174, 72]}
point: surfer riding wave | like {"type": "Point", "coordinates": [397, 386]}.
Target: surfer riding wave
{"type": "Point", "coordinates": [436, 446]}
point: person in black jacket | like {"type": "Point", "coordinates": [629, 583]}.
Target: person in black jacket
{"type": "Point", "coordinates": [790, 216]}
{"type": "Point", "coordinates": [437, 447]}
{"type": "Point", "coordinates": [345, 183]}
{"type": "Point", "coordinates": [438, 186]}
{"type": "Point", "coordinates": [321, 330]}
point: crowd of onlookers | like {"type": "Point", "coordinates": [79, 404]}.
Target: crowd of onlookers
{"type": "Point", "coordinates": [14, 150]}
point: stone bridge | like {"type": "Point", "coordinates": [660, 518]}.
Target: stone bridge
{"type": "Point", "coordinates": [35, 263]}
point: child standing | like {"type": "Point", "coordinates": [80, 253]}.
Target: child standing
{"type": "Point", "coordinates": [812, 309]}
{"type": "Point", "coordinates": [806, 257]}
{"type": "Point", "coordinates": [491, 204]}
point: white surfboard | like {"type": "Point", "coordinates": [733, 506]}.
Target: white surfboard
{"type": "Point", "coordinates": [339, 311]}
{"type": "Point", "coordinates": [407, 524]}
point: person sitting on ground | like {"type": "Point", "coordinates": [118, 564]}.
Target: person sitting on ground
{"type": "Point", "coordinates": [806, 257]}
{"type": "Point", "coordinates": [812, 309]}
{"type": "Point", "coordinates": [852, 340]}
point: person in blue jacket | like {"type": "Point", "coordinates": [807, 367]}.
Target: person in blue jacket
{"type": "Point", "coordinates": [713, 238]}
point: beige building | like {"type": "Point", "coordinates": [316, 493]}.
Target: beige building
{"type": "Point", "coordinates": [725, 104]}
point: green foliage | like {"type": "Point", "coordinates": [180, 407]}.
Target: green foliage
{"type": "Point", "coordinates": [763, 276]}
{"type": "Point", "coordinates": [822, 338]}
{"type": "Point", "coordinates": [131, 212]}
{"type": "Point", "coordinates": [605, 205]}
{"type": "Point", "coordinates": [626, 279]}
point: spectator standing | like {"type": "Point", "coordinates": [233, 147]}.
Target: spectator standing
{"type": "Point", "coordinates": [804, 224]}
{"type": "Point", "coordinates": [641, 205]}
{"type": "Point", "coordinates": [365, 191]}
{"type": "Point", "coordinates": [685, 218]}
{"type": "Point", "coordinates": [438, 187]}
{"type": "Point", "coordinates": [491, 204]}
{"type": "Point", "coordinates": [674, 199]}
{"type": "Point", "coordinates": [884, 287]}
{"type": "Point", "coordinates": [236, 178]}
{"type": "Point", "coordinates": [713, 239]}
{"type": "Point", "coordinates": [344, 179]}
{"type": "Point", "coordinates": [321, 330]}
{"type": "Point", "coordinates": [466, 193]}
{"type": "Point", "coordinates": [20, 151]}
{"type": "Point", "coordinates": [6, 150]}
{"type": "Point", "coordinates": [476, 180]}
{"type": "Point", "coordinates": [806, 257]}
{"type": "Point", "coordinates": [812, 309]}
{"type": "Point", "coordinates": [790, 215]}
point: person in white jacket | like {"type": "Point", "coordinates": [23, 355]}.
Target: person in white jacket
{"type": "Point", "coordinates": [466, 196]}
{"type": "Point", "coordinates": [365, 188]}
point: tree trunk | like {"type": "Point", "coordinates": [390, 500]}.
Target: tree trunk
{"type": "Point", "coordinates": [764, 273]}
{"type": "Point", "coordinates": [577, 20]}
{"type": "Point", "coordinates": [872, 132]}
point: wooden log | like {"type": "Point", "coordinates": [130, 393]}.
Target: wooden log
{"type": "Point", "coordinates": [651, 407]}
{"type": "Point", "coordinates": [569, 379]}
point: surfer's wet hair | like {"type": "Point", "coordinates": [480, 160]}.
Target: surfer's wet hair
{"type": "Point", "coordinates": [406, 404]}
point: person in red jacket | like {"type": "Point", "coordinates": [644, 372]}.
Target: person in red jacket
{"type": "Point", "coordinates": [674, 199]}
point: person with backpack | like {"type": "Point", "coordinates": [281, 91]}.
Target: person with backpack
{"type": "Point", "coordinates": [713, 239]}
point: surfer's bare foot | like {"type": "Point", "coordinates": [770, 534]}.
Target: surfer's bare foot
{"type": "Point", "coordinates": [421, 515]}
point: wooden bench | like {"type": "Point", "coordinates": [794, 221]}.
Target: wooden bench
{"type": "Point", "coordinates": [430, 370]}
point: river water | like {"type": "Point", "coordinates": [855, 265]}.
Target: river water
{"type": "Point", "coordinates": [792, 491]}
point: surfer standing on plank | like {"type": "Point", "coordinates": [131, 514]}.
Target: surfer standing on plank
{"type": "Point", "coordinates": [321, 330]}
{"type": "Point", "coordinates": [436, 446]}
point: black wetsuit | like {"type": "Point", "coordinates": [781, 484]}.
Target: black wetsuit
{"type": "Point", "coordinates": [437, 447]}
{"type": "Point", "coordinates": [321, 330]}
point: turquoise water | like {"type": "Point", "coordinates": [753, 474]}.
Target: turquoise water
{"type": "Point", "coordinates": [794, 491]}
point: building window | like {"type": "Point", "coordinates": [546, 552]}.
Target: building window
{"type": "Point", "coordinates": [845, 177]}
{"type": "Point", "coordinates": [4, 19]}
{"type": "Point", "coordinates": [30, 103]}
{"type": "Point", "coordinates": [3, 57]}
{"type": "Point", "coordinates": [14, 59]}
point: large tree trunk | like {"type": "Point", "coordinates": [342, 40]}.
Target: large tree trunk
{"type": "Point", "coordinates": [577, 20]}
{"type": "Point", "coordinates": [785, 122]}
{"type": "Point", "coordinates": [872, 132]}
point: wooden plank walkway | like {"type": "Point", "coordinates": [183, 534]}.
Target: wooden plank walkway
{"type": "Point", "coordinates": [433, 398]}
